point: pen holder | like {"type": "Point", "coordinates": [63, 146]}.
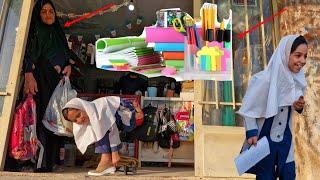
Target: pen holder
{"type": "Point", "coordinates": [189, 59]}
{"type": "Point", "coordinates": [227, 35]}
{"type": "Point", "coordinates": [210, 35]}
{"type": "Point", "coordinates": [220, 35]}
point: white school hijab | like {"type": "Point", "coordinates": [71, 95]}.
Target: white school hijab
{"type": "Point", "coordinates": [274, 87]}
{"type": "Point", "coordinates": [101, 114]}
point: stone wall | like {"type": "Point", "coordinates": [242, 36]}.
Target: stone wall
{"type": "Point", "coordinates": [305, 19]}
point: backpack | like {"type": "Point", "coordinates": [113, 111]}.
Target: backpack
{"type": "Point", "coordinates": [148, 131]}
{"type": "Point", "coordinates": [168, 136]}
{"type": "Point", "coordinates": [126, 116]}
{"type": "Point", "coordinates": [23, 139]}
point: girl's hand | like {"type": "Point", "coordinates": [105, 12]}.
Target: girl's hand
{"type": "Point", "coordinates": [253, 140]}
{"type": "Point", "coordinates": [299, 104]}
{"type": "Point", "coordinates": [30, 84]}
{"type": "Point", "coordinates": [67, 71]}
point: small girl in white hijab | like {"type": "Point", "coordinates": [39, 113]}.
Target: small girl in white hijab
{"type": "Point", "coordinates": [95, 122]}
{"type": "Point", "coordinates": [267, 108]}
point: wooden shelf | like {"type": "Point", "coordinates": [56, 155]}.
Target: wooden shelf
{"type": "Point", "coordinates": [189, 161]}
{"type": "Point", "coordinates": [183, 154]}
{"type": "Point", "coordinates": [166, 99]}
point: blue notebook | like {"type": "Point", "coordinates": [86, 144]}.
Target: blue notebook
{"type": "Point", "coordinates": [169, 47]}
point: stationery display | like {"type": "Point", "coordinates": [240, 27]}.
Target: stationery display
{"type": "Point", "coordinates": [177, 47]}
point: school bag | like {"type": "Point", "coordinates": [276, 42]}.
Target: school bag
{"type": "Point", "coordinates": [24, 143]}
{"type": "Point", "coordinates": [168, 136]}
{"type": "Point", "coordinates": [148, 131]}
{"type": "Point", "coordinates": [126, 116]}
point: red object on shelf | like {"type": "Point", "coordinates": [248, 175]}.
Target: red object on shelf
{"type": "Point", "coordinates": [183, 115]}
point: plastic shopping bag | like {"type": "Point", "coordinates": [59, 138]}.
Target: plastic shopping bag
{"type": "Point", "coordinates": [53, 118]}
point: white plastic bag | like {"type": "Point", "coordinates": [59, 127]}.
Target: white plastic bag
{"type": "Point", "coordinates": [53, 118]}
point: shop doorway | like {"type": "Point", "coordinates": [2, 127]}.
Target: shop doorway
{"type": "Point", "coordinates": [18, 14]}
{"type": "Point", "coordinates": [12, 42]}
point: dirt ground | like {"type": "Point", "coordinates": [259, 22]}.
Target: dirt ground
{"type": "Point", "coordinates": [145, 173]}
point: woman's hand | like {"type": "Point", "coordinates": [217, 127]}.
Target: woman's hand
{"type": "Point", "coordinates": [58, 69]}
{"type": "Point", "coordinates": [299, 104]}
{"type": "Point", "coordinates": [253, 140]}
{"type": "Point", "coordinates": [67, 71]}
{"type": "Point", "coordinates": [30, 84]}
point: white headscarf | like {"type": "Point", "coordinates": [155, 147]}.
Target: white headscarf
{"type": "Point", "coordinates": [274, 87]}
{"type": "Point", "coordinates": [101, 114]}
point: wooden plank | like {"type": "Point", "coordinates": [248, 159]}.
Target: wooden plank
{"type": "Point", "coordinates": [232, 74]}
{"type": "Point", "coordinates": [139, 154]}
{"type": "Point", "coordinates": [198, 133]}
{"type": "Point", "coordinates": [263, 36]}
{"type": "Point", "coordinates": [220, 103]}
{"type": "Point", "coordinates": [216, 94]}
{"type": "Point", "coordinates": [276, 26]}
{"type": "Point", "coordinates": [222, 129]}
{"type": "Point", "coordinates": [220, 150]}
{"type": "Point", "coordinates": [4, 93]}
{"type": "Point", "coordinates": [248, 40]}
{"type": "Point", "coordinates": [3, 16]}
{"type": "Point", "coordinates": [167, 99]}
{"type": "Point", "coordinates": [222, 144]}
{"type": "Point", "coordinates": [196, 9]}
{"type": "Point", "coordinates": [183, 154]}
{"type": "Point", "coordinates": [13, 81]}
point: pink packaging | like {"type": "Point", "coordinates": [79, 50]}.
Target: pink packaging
{"type": "Point", "coordinates": [166, 35]}
{"type": "Point", "coordinates": [169, 71]}
{"type": "Point", "coordinates": [226, 55]}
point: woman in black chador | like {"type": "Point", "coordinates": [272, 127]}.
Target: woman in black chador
{"type": "Point", "coordinates": [46, 61]}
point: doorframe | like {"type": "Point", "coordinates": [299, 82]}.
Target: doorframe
{"type": "Point", "coordinates": [3, 16]}
{"type": "Point", "coordinates": [12, 89]}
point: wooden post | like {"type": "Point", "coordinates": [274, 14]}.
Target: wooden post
{"type": "Point", "coordinates": [13, 81]}
{"type": "Point", "coordinates": [248, 40]}
{"type": "Point", "coordinates": [198, 134]}
{"type": "Point", "coordinates": [196, 8]}
{"type": "Point", "coordinates": [216, 94]}
{"type": "Point", "coordinates": [264, 49]}
{"type": "Point", "coordinates": [276, 26]}
{"type": "Point", "coordinates": [198, 89]}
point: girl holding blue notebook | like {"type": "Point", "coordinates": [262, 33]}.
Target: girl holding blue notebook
{"type": "Point", "coordinates": [271, 97]}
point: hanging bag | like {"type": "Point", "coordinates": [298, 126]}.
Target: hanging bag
{"type": "Point", "coordinates": [53, 118]}
{"type": "Point", "coordinates": [148, 131]}
{"type": "Point", "coordinates": [126, 116]}
{"type": "Point", "coordinates": [184, 126]}
{"type": "Point", "coordinates": [168, 136]}
{"type": "Point", "coordinates": [23, 139]}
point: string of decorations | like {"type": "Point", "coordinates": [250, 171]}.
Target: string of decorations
{"type": "Point", "coordinates": [112, 30]}
{"type": "Point", "coordinates": [114, 8]}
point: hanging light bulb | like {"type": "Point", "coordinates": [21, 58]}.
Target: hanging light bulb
{"type": "Point", "coordinates": [131, 5]}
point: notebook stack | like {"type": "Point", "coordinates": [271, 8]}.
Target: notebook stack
{"type": "Point", "coordinates": [170, 43]}
{"type": "Point", "coordinates": [125, 53]}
